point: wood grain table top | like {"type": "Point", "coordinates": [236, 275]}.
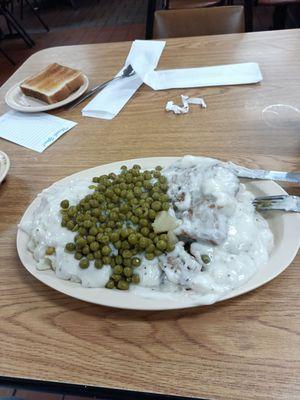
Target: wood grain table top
{"type": "Point", "coordinates": [244, 348]}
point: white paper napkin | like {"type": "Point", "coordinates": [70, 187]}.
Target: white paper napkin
{"type": "Point", "coordinates": [231, 74]}
{"type": "Point", "coordinates": [144, 56]}
{"type": "Point", "coordinates": [108, 103]}
{"type": "Point", "coordinates": [35, 131]}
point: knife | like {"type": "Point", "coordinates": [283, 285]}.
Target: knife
{"type": "Point", "coordinates": [248, 173]}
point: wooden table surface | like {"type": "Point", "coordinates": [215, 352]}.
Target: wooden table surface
{"type": "Point", "coordinates": [244, 348]}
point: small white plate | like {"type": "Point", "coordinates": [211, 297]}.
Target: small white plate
{"type": "Point", "coordinates": [4, 165]}
{"type": "Point", "coordinates": [17, 100]}
{"type": "Point", "coordinates": [285, 228]}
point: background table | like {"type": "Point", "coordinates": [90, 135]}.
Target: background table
{"type": "Point", "coordinates": [244, 348]}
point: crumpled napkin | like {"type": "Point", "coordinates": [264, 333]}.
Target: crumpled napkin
{"type": "Point", "coordinates": [186, 100]}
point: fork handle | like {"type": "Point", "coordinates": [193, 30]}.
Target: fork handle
{"type": "Point", "coordinates": [95, 89]}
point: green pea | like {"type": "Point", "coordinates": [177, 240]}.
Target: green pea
{"type": "Point", "coordinates": [119, 259]}
{"type": "Point", "coordinates": [82, 231]}
{"type": "Point", "coordinates": [50, 250]}
{"type": "Point", "coordinates": [81, 242]}
{"type": "Point", "coordinates": [152, 235]}
{"type": "Point", "coordinates": [70, 247]}
{"type": "Point", "coordinates": [87, 224]}
{"type": "Point", "coordinates": [90, 256]}
{"type": "Point", "coordinates": [98, 264]}
{"type": "Point", "coordinates": [156, 196]}
{"type": "Point", "coordinates": [103, 239]}
{"type": "Point", "coordinates": [143, 222]}
{"type": "Point", "coordinates": [106, 250]}
{"type": "Point", "coordinates": [90, 239]}
{"type": "Point", "coordinates": [114, 237]}
{"type": "Point", "coordinates": [161, 245]}
{"type": "Point", "coordinates": [152, 214]}
{"type": "Point", "coordinates": [143, 242]}
{"type": "Point", "coordinates": [135, 262]}
{"type": "Point", "coordinates": [110, 284]}
{"type": "Point", "coordinates": [118, 269]}
{"type": "Point", "coordinates": [149, 256]}
{"type": "Point", "coordinates": [170, 247]}
{"type": "Point", "coordinates": [85, 249]}
{"type": "Point", "coordinates": [94, 246]}
{"type": "Point", "coordinates": [97, 254]}
{"type": "Point", "coordinates": [116, 277]}
{"type": "Point", "coordinates": [123, 285]}
{"type": "Point", "coordinates": [124, 233]}
{"type": "Point", "coordinates": [84, 263]}
{"type": "Point", "coordinates": [127, 262]}
{"type": "Point", "coordinates": [64, 204]}
{"type": "Point", "coordinates": [106, 260]}
{"type": "Point", "coordinates": [127, 271]}
{"type": "Point", "coordinates": [127, 254]}
{"type": "Point", "coordinates": [78, 255]}
{"type": "Point", "coordinates": [70, 225]}
{"type": "Point", "coordinates": [134, 219]}
{"type": "Point", "coordinates": [118, 244]}
{"type": "Point", "coordinates": [158, 252]}
{"type": "Point", "coordinates": [93, 231]}
{"type": "Point", "coordinates": [132, 238]}
{"type": "Point", "coordinates": [125, 245]}
{"type": "Point", "coordinates": [72, 211]}
{"type": "Point", "coordinates": [150, 248]}
{"type": "Point", "coordinates": [135, 279]}
{"type": "Point", "coordinates": [145, 231]}
{"type": "Point", "coordinates": [156, 205]}
{"type": "Point", "coordinates": [205, 258]}
{"type": "Point", "coordinates": [165, 206]}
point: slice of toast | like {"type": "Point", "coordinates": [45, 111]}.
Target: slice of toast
{"type": "Point", "coordinates": [53, 84]}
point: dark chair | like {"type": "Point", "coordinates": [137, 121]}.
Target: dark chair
{"type": "Point", "coordinates": [153, 5]}
{"type": "Point", "coordinates": [13, 23]}
{"type": "Point", "coordinates": [202, 21]}
{"type": "Point", "coordinates": [179, 4]}
{"type": "Point", "coordinates": [5, 55]}
{"type": "Point", "coordinates": [279, 15]}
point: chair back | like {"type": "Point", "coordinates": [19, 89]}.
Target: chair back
{"type": "Point", "coordinates": [198, 22]}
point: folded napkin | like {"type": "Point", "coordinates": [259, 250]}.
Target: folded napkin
{"type": "Point", "coordinates": [144, 56]}
{"type": "Point", "coordinates": [231, 74]}
{"type": "Point", "coordinates": [108, 103]}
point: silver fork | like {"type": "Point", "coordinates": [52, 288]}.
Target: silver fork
{"type": "Point", "coordinates": [280, 202]}
{"type": "Point", "coordinates": [128, 71]}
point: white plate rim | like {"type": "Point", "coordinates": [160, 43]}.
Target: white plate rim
{"type": "Point", "coordinates": [125, 300]}
{"type": "Point", "coordinates": [3, 173]}
{"type": "Point", "coordinates": [47, 107]}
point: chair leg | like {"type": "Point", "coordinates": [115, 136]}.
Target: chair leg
{"type": "Point", "coordinates": [7, 56]}
{"type": "Point", "coordinates": [37, 15]}
{"type": "Point", "coordinates": [150, 18]}
{"type": "Point", "coordinates": [248, 8]}
{"type": "Point", "coordinates": [21, 9]}
{"type": "Point", "coordinates": [279, 17]}
{"type": "Point", "coordinates": [14, 23]}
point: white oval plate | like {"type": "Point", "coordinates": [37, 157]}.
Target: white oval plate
{"type": "Point", "coordinates": [285, 227]}
{"type": "Point", "coordinates": [17, 100]}
{"type": "Point", "coordinates": [4, 165]}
